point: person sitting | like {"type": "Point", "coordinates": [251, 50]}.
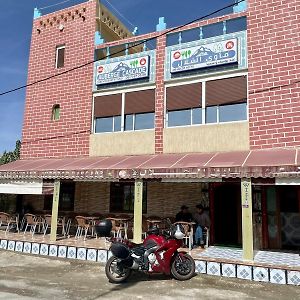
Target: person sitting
{"type": "Point", "coordinates": [202, 223]}
{"type": "Point", "coordinates": [184, 215]}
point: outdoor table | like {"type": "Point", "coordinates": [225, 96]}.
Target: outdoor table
{"type": "Point", "coordinates": [92, 222]}
{"type": "Point", "coordinates": [154, 222]}
{"type": "Point", "coordinates": [123, 222]}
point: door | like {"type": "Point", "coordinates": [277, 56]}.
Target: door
{"type": "Point", "coordinates": [227, 214]}
{"type": "Point", "coordinates": [273, 218]}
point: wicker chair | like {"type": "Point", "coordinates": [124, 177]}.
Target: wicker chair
{"type": "Point", "coordinates": [82, 225]}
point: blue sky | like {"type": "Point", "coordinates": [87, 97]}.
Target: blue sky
{"type": "Point", "coordinates": [15, 31]}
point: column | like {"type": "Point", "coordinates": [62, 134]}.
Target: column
{"type": "Point", "coordinates": [55, 211]}
{"type": "Point", "coordinates": [138, 211]}
{"type": "Point", "coordinates": [247, 224]}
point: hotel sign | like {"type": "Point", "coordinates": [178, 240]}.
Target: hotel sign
{"type": "Point", "coordinates": [124, 70]}
{"type": "Point", "coordinates": [204, 56]}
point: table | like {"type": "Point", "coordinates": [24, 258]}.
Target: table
{"type": "Point", "coordinates": [92, 222]}
{"type": "Point", "coordinates": [123, 223]}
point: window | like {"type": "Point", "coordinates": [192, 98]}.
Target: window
{"type": "Point", "coordinates": [233, 112]}
{"type": "Point", "coordinates": [225, 101]}
{"type": "Point", "coordinates": [184, 104]}
{"type": "Point", "coordinates": [122, 197]}
{"type": "Point", "coordinates": [139, 121]}
{"type": "Point", "coordinates": [108, 124]}
{"type": "Point", "coordinates": [138, 111]}
{"type": "Point", "coordinates": [66, 197]}
{"type": "Point", "coordinates": [60, 56]}
{"type": "Point", "coordinates": [107, 113]}
{"type": "Point", "coordinates": [55, 112]}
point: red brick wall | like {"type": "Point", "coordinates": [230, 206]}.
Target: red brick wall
{"type": "Point", "coordinates": [159, 93]}
{"type": "Point", "coordinates": [69, 136]}
{"type": "Point", "coordinates": [274, 60]}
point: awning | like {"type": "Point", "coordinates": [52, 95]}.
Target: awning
{"type": "Point", "coordinates": [269, 163]}
{"type": "Point", "coordinates": [24, 187]}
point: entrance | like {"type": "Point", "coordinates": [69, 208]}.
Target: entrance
{"type": "Point", "coordinates": [283, 217]}
{"type": "Point", "coordinates": [226, 214]}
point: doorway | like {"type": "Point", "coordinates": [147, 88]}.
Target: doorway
{"type": "Point", "coordinates": [283, 217]}
{"type": "Point", "coordinates": [227, 215]}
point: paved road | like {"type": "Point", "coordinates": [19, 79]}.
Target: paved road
{"type": "Point", "coordinates": [31, 277]}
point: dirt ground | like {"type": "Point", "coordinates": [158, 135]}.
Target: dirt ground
{"type": "Point", "coordinates": [32, 277]}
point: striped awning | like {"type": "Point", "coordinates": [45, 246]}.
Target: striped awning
{"type": "Point", "coordinates": [255, 163]}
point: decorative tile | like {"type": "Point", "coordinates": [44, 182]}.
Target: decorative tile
{"type": "Point", "coordinates": [35, 248]}
{"type": "Point", "coordinates": [200, 266]}
{"type": "Point", "coordinates": [277, 276]}
{"type": "Point", "coordinates": [27, 247]}
{"type": "Point", "coordinates": [228, 270]}
{"type": "Point", "coordinates": [81, 253]}
{"type": "Point", "coordinates": [3, 244]}
{"type": "Point", "coordinates": [11, 245]}
{"type": "Point", "coordinates": [19, 247]}
{"type": "Point", "coordinates": [92, 254]}
{"type": "Point", "coordinates": [62, 251]}
{"type": "Point", "coordinates": [109, 254]}
{"type": "Point", "coordinates": [244, 272]}
{"type": "Point", "coordinates": [293, 277]}
{"type": "Point", "coordinates": [102, 256]}
{"type": "Point", "coordinates": [71, 252]}
{"type": "Point", "coordinates": [260, 274]}
{"type": "Point", "coordinates": [44, 249]}
{"type": "Point", "coordinates": [213, 268]}
{"type": "Point", "coordinates": [53, 249]}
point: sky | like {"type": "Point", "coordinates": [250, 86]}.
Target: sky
{"type": "Point", "coordinates": [16, 18]}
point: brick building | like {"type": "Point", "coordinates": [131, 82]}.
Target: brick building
{"type": "Point", "coordinates": [205, 114]}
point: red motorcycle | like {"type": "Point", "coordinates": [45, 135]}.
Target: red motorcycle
{"type": "Point", "coordinates": [157, 254]}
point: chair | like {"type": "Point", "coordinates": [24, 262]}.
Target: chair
{"type": "Point", "coordinates": [82, 225]}
{"type": "Point", "coordinates": [8, 220]}
{"type": "Point", "coordinates": [47, 224]}
{"type": "Point", "coordinates": [145, 227]}
{"type": "Point", "coordinates": [33, 221]}
{"type": "Point", "coordinates": [188, 233]}
{"type": "Point", "coordinates": [117, 228]}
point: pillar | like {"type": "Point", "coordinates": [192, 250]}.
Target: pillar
{"type": "Point", "coordinates": [138, 211]}
{"type": "Point", "coordinates": [55, 211]}
{"type": "Point", "coordinates": [247, 224]}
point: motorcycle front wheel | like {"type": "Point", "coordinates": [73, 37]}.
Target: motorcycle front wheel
{"type": "Point", "coordinates": [183, 267]}
{"type": "Point", "coordinates": [114, 272]}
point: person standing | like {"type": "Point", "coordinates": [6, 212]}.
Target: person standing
{"type": "Point", "coordinates": [202, 221]}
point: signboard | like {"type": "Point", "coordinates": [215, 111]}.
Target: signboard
{"type": "Point", "coordinates": [204, 56]}
{"type": "Point", "coordinates": [124, 70]}
{"type": "Point", "coordinates": [246, 192]}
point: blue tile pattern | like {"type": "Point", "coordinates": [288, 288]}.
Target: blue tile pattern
{"type": "Point", "coordinates": [213, 268]}
{"type": "Point", "coordinates": [27, 247]}
{"type": "Point", "coordinates": [277, 276]}
{"type": "Point", "coordinates": [62, 251]}
{"type": "Point", "coordinates": [228, 270]}
{"type": "Point", "coordinates": [19, 247]}
{"type": "Point", "coordinates": [11, 245]}
{"type": "Point", "coordinates": [3, 244]}
{"type": "Point", "coordinates": [293, 277]}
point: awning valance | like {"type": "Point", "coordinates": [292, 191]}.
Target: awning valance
{"type": "Point", "coordinates": [255, 163]}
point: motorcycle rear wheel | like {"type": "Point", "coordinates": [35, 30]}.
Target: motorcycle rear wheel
{"type": "Point", "coordinates": [114, 273]}
{"type": "Point", "coordinates": [183, 267]}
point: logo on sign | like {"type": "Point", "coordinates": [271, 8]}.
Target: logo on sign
{"type": "Point", "coordinates": [219, 53]}
{"type": "Point", "coordinates": [129, 69]}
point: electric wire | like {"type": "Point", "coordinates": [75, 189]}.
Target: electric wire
{"type": "Point", "coordinates": [120, 51]}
